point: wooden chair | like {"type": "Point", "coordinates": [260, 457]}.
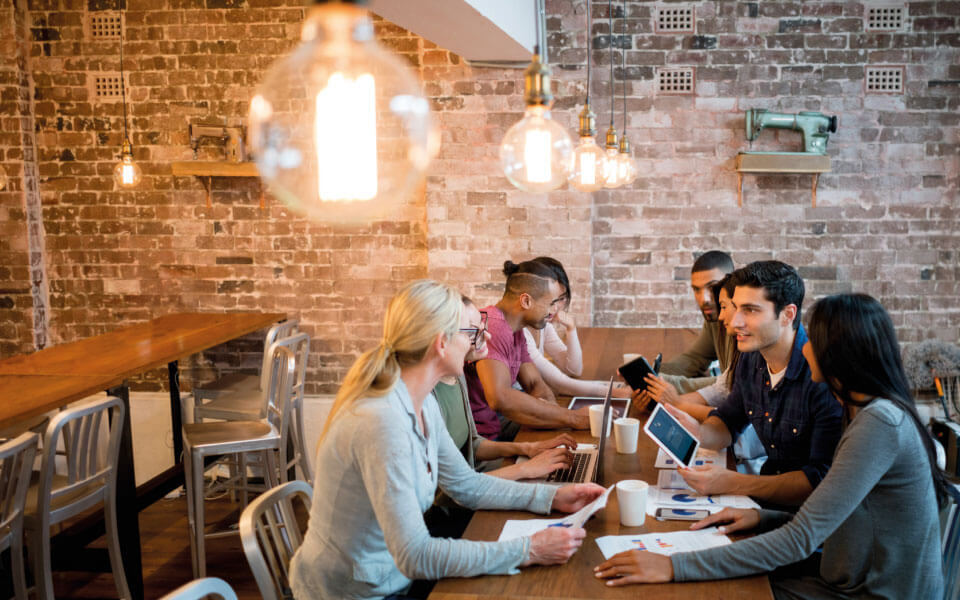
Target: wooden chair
{"type": "Point", "coordinates": [201, 588]}
{"type": "Point", "coordinates": [271, 535]}
{"type": "Point", "coordinates": [90, 479]}
{"type": "Point", "coordinates": [201, 440]}
{"type": "Point", "coordinates": [237, 396]}
{"type": "Point", "coordinates": [16, 462]}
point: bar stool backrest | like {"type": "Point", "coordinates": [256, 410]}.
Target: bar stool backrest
{"type": "Point", "coordinates": [951, 548]}
{"type": "Point", "coordinates": [201, 588]}
{"type": "Point", "coordinates": [90, 474]}
{"type": "Point", "coordinates": [279, 331]}
{"type": "Point", "coordinates": [288, 408]}
{"type": "Point", "coordinates": [271, 534]}
{"type": "Point", "coordinates": [16, 463]}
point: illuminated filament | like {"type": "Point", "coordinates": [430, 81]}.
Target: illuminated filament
{"type": "Point", "coordinates": [127, 174]}
{"type": "Point", "coordinates": [536, 156]}
{"type": "Point", "coordinates": [588, 168]}
{"type": "Point", "coordinates": [345, 136]}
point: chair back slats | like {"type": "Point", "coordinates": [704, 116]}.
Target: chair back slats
{"type": "Point", "coordinates": [89, 471]}
{"type": "Point", "coordinates": [212, 587]}
{"type": "Point", "coordinates": [277, 332]}
{"type": "Point", "coordinates": [951, 548]}
{"type": "Point", "coordinates": [16, 462]}
{"type": "Point", "coordinates": [271, 534]}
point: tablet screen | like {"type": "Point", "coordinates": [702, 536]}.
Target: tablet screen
{"type": "Point", "coordinates": [669, 434]}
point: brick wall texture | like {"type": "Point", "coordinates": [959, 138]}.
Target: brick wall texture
{"type": "Point", "coordinates": [886, 220]}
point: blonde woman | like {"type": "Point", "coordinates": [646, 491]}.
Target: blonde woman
{"type": "Point", "coordinates": [384, 452]}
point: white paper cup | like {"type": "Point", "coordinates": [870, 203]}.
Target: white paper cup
{"type": "Point", "coordinates": [632, 498]}
{"type": "Point", "coordinates": [627, 430]}
{"type": "Point", "coordinates": [596, 420]}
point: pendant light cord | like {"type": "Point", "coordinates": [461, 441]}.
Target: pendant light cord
{"type": "Point", "coordinates": [610, 17]}
{"type": "Point", "coordinates": [123, 85]}
{"type": "Point", "coordinates": [589, 52]}
{"type": "Point", "coordinates": [623, 31]}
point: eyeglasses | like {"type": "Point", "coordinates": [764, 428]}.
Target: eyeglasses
{"type": "Point", "coordinates": [475, 334]}
{"type": "Point", "coordinates": [562, 299]}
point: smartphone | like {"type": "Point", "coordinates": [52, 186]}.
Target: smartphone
{"type": "Point", "coordinates": [635, 371]}
{"type": "Point", "coordinates": [656, 363]}
{"type": "Point", "coordinates": [681, 514]}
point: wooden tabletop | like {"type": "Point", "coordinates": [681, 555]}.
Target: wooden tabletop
{"type": "Point", "coordinates": [603, 350]}
{"type": "Point", "coordinates": [25, 396]}
{"type": "Point", "coordinates": [131, 350]}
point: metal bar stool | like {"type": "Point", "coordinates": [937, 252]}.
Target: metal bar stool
{"type": "Point", "coordinates": [90, 479]}
{"type": "Point", "coordinates": [16, 462]}
{"type": "Point", "coordinates": [201, 440]}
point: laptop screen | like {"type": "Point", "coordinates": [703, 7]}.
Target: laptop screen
{"type": "Point", "coordinates": [598, 472]}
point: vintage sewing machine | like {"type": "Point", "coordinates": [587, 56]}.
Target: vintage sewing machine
{"type": "Point", "coordinates": [234, 149]}
{"type": "Point", "coordinates": [814, 127]}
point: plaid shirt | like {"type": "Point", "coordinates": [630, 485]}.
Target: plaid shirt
{"type": "Point", "coordinates": [799, 422]}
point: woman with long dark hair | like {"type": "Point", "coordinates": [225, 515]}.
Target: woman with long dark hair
{"type": "Point", "coordinates": [875, 512]}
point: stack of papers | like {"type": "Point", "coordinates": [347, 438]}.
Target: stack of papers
{"type": "Point", "coordinates": [674, 498]}
{"type": "Point", "coordinates": [513, 529]}
{"type": "Point", "coordinates": [663, 543]}
{"type": "Point", "coordinates": [704, 457]}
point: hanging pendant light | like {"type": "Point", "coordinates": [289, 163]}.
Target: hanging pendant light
{"type": "Point", "coordinates": [587, 172]}
{"type": "Point", "coordinates": [536, 153]}
{"type": "Point", "coordinates": [126, 173]}
{"type": "Point", "coordinates": [340, 128]}
{"type": "Point", "coordinates": [626, 169]}
{"type": "Point", "coordinates": [611, 168]}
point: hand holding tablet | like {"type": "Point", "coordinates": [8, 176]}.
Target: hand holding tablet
{"type": "Point", "coordinates": [675, 439]}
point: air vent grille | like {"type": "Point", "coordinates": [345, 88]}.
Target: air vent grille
{"type": "Point", "coordinates": [106, 26]}
{"type": "Point", "coordinates": [884, 80]}
{"type": "Point", "coordinates": [675, 80]}
{"type": "Point", "coordinates": [674, 19]}
{"type": "Point", "coordinates": [887, 17]}
{"type": "Point", "coordinates": [107, 87]}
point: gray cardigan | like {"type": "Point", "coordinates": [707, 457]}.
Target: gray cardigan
{"type": "Point", "coordinates": [377, 474]}
{"type": "Point", "coordinates": [875, 513]}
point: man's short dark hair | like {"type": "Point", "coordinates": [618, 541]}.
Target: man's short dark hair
{"type": "Point", "coordinates": [714, 259]}
{"type": "Point", "coordinates": [781, 284]}
{"type": "Point", "coordinates": [529, 277]}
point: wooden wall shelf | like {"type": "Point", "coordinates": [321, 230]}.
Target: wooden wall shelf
{"type": "Point", "coordinates": [781, 162]}
{"type": "Point", "coordinates": [212, 168]}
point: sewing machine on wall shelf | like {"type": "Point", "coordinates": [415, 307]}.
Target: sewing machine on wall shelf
{"type": "Point", "coordinates": [235, 163]}
{"type": "Point", "coordinates": [815, 128]}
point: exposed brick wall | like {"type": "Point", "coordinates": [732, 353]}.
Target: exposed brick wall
{"type": "Point", "coordinates": [885, 223]}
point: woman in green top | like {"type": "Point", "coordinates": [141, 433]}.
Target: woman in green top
{"type": "Point", "coordinates": [545, 456]}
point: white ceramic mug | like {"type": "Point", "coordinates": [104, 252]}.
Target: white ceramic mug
{"type": "Point", "coordinates": [632, 498]}
{"type": "Point", "coordinates": [596, 420]}
{"type": "Point", "coordinates": [627, 430]}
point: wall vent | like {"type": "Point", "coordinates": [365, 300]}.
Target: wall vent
{"type": "Point", "coordinates": [884, 80]}
{"type": "Point", "coordinates": [674, 19]}
{"type": "Point", "coordinates": [105, 26]}
{"type": "Point", "coordinates": [106, 87]}
{"type": "Point", "coordinates": [675, 80]}
{"type": "Point", "coordinates": [884, 17]}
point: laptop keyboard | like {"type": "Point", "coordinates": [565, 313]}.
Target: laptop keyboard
{"type": "Point", "coordinates": [573, 473]}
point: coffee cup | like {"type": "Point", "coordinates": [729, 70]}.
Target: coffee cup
{"type": "Point", "coordinates": [632, 498]}
{"type": "Point", "coordinates": [596, 420]}
{"type": "Point", "coordinates": [626, 430]}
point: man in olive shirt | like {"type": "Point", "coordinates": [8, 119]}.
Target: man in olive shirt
{"type": "Point", "coordinates": [689, 371]}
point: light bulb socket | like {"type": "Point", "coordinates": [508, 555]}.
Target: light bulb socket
{"type": "Point", "coordinates": [624, 144]}
{"type": "Point", "coordinates": [126, 150]}
{"type": "Point", "coordinates": [588, 121]}
{"type": "Point", "coordinates": [536, 83]}
{"type": "Point", "coordinates": [612, 140]}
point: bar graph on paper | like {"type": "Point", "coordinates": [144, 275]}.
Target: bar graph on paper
{"type": "Point", "coordinates": [663, 543]}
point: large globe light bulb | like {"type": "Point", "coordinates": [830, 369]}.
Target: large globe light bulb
{"type": "Point", "coordinates": [340, 128]}
{"type": "Point", "coordinates": [611, 171]}
{"type": "Point", "coordinates": [127, 173]}
{"type": "Point", "coordinates": [536, 153]}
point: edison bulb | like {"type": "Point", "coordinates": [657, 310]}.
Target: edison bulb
{"type": "Point", "coordinates": [127, 173]}
{"type": "Point", "coordinates": [626, 170]}
{"type": "Point", "coordinates": [536, 153]}
{"type": "Point", "coordinates": [587, 172]}
{"type": "Point", "coordinates": [340, 128]}
{"type": "Point", "coordinates": [611, 168]}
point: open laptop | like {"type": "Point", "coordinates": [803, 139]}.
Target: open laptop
{"type": "Point", "coordinates": [587, 464]}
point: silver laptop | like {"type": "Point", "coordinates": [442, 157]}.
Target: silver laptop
{"type": "Point", "coordinates": [587, 463]}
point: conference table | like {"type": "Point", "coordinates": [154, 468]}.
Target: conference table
{"type": "Point", "coordinates": [33, 384]}
{"type": "Point", "coordinates": [603, 350]}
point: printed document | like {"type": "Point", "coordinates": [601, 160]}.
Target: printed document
{"type": "Point", "coordinates": [704, 457]}
{"type": "Point", "coordinates": [516, 528]}
{"type": "Point", "coordinates": [663, 543]}
{"type": "Point", "coordinates": [672, 498]}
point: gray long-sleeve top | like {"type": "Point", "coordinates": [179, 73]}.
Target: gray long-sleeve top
{"type": "Point", "coordinates": [875, 513]}
{"type": "Point", "coordinates": [376, 475]}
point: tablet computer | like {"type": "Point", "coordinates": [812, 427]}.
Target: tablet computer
{"type": "Point", "coordinates": [671, 436]}
{"type": "Point", "coordinates": [635, 371]}
{"type": "Point", "coordinates": [619, 406]}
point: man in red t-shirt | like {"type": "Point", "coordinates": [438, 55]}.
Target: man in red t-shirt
{"type": "Point", "coordinates": [531, 297]}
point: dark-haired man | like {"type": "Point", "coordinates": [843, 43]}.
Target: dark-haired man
{"type": "Point", "coordinates": [796, 419]}
{"type": "Point", "coordinates": [531, 297]}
